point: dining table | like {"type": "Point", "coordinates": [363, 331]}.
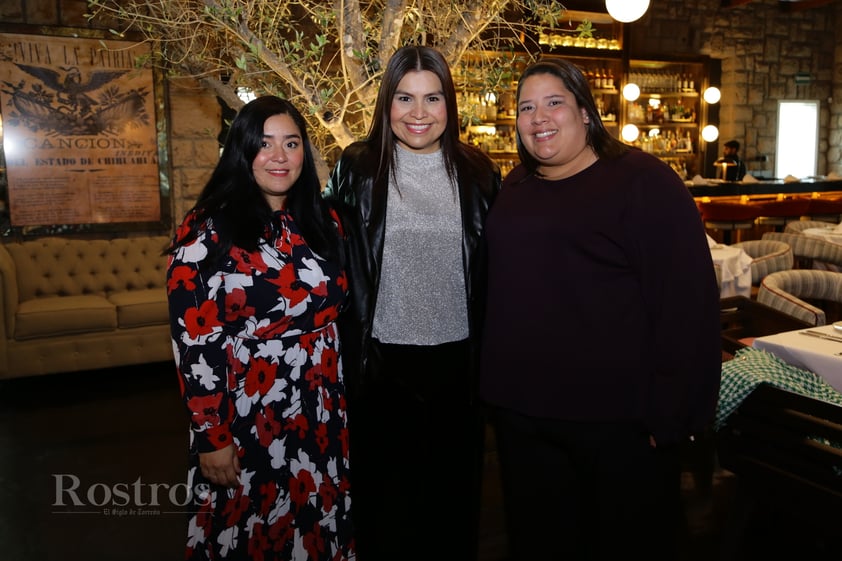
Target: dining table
{"type": "Point", "coordinates": [735, 265]}
{"type": "Point", "coordinates": [817, 349]}
{"type": "Point", "coordinates": [832, 233]}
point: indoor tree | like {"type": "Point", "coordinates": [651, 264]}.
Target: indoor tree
{"type": "Point", "coordinates": [327, 56]}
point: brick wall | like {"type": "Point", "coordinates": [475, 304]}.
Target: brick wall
{"type": "Point", "coordinates": [761, 49]}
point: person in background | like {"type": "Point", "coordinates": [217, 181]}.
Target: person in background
{"type": "Point", "coordinates": [418, 198]}
{"type": "Point", "coordinates": [255, 284]}
{"type": "Point", "coordinates": [731, 154]}
{"type": "Point", "coordinates": [601, 346]}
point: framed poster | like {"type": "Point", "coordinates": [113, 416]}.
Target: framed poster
{"type": "Point", "coordinates": [81, 141]}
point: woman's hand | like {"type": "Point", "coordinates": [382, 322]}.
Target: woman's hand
{"type": "Point", "coordinates": [221, 466]}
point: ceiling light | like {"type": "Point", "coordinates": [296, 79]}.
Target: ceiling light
{"type": "Point", "coordinates": [631, 91]}
{"type": "Point", "coordinates": [630, 133]}
{"type": "Point", "coordinates": [626, 11]}
{"type": "Point", "coordinates": [712, 95]}
{"type": "Point", "coordinates": [710, 133]}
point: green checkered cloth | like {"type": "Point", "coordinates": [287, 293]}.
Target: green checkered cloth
{"type": "Point", "coordinates": [751, 367]}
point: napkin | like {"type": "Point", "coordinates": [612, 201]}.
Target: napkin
{"type": "Point", "coordinates": [748, 178]}
{"type": "Point", "coordinates": [791, 179]}
{"type": "Point", "coordinates": [838, 228]}
{"type": "Point", "coordinates": [699, 180]}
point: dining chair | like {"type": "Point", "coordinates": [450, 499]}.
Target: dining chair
{"type": "Point", "coordinates": [799, 226]}
{"type": "Point", "coordinates": [800, 292]}
{"type": "Point", "coordinates": [767, 256]}
{"type": "Point", "coordinates": [809, 252]}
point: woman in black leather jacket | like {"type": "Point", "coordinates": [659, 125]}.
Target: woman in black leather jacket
{"type": "Point", "coordinates": [414, 200]}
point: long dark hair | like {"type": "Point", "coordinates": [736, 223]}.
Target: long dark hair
{"type": "Point", "coordinates": [598, 138]}
{"type": "Point", "coordinates": [412, 58]}
{"type": "Point", "coordinates": [233, 199]}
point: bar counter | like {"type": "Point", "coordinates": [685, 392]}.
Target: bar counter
{"type": "Point", "coordinates": [719, 188]}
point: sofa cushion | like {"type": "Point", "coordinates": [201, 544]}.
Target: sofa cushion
{"type": "Point", "coordinates": [136, 308]}
{"type": "Point", "coordinates": [61, 315]}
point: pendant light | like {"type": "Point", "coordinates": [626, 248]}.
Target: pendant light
{"type": "Point", "coordinates": [626, 11]}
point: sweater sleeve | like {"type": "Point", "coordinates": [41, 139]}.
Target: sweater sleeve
{"type": "Point", "coordinates": [679, 286]}
{"type": "Point", "coordinates": [197, 312]}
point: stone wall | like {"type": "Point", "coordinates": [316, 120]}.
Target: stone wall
{"type": "Point", "coordinates": [761, 49]}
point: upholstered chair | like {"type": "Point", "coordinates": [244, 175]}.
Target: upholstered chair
{"type": "Point", "coordinates": [797, 292]}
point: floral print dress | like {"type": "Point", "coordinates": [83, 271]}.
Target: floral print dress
{"type": "Point", "coordinates": [257, 351]}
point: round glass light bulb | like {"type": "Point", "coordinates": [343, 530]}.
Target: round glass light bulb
{"type": "Point", "coordinates": [712, 95]}
{"type": "Point", "coordinates": [630, 133]}
{"type": "Point", "coordinates": [626, 11]}
{"type": "Point", "coordinates": [631, 91]}
{"type": "Point", "coordinates": [710, 133]}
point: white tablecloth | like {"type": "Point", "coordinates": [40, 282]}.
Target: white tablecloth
{"type": "Point", "coordinates": [822, 356]}
{"type": "Point", "coordinates": [827, 234]}
{"type": "Point", "coordinates": [736, 270]}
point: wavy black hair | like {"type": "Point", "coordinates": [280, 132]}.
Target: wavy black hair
{"type": "Point", "coordinates": [234, 201]}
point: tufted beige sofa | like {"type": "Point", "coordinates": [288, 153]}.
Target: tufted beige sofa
{"type": "Point", "coordinates": [70, 304]}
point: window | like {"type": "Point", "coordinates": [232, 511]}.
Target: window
{"type": "Point", "coordinates": [797, 139]}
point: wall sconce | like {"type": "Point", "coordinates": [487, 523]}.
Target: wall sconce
{"type": "Point", "coordinates": [631, 91]}
{"type": "Point", "coordinates": [626, 11]}
{"type": "Point", "coordinates": [712, 95]}
{"type": "Point", "coordinates": [630, 133]}
{"type": "Point", "coordinates": [710, 133]}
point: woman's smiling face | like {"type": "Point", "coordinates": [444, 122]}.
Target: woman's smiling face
{"type": "Point", "coordinates": [552, 127]}
{"type": "Point", "coordinates": [418, 115]}
{"type": "Point", "coordinates": [280, 160]}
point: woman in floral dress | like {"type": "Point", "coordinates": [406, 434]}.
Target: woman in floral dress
{"type": "Point", "coordinates": [255, 285]}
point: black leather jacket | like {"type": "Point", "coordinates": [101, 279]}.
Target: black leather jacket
{"type": "Point", "coordinates": [362, 209]}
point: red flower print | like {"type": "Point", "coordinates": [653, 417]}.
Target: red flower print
{"type": "Point", "coordinates": [320, 290]}
{"type": "Point", "coordinates": [289, 286]}
{"type": "Point", "coordinates": [300, 488]}
{"type": "Point", "coordinates": [235, 305]}
{"type": "Point", "coordinates": [343, 438]}
{"type": "Point", "coordinates": [248, 262]}
{"type": "Point", "coordinates": [296, 240]}
{"type": "Point", "coordinates": [321, 437]}
{"type": "Point", "coordinates": [324, 317]}
{"type": "Point", "coordinates": [342, 282]}
{"type": "Point", "coordinates": [328, 493]}
{"type": "Point", "coordinates": [274, 328]}
{"type": "Point", "coordinates": [204, 515]}
{"type": "Point", "coordinates": [182, 276]}
{"type": "Point", "coordinates": [281, 532]}
{"type": "Point", "coordinates": [205, 409]}
{"type": "Point", "coordinates": [202, 320]}
{"type": "Point", "coordinates": [308, 340]}
{"type": "Point", "coordinates": [299, 422]}
{"type": "Point", "coordinates": [330, 364]}
{"type": "Point", "coordinates": [269, 492]}
{"type": "Point", "coordinates": [220, 436]}
{"type": "Point", "coordinates": [267, 427]}
{"type": "Point", "coordinates": [260, 377]}
{"type": "Point", "coordinates": [314, 376]}
{"type": "Point", "coordinates": [258, 543]}
{"type": "Point", "coordinates": [327, 400]}
{"type": "Point", "coordinates": [235, 507]}
{"type": "Point", "coordinates": [313, 542]}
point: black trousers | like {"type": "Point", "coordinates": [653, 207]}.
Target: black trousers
{"type": "Point", "coordinates": [586, 491]}
{"type": "Point", "coordinates": [416, 445]}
